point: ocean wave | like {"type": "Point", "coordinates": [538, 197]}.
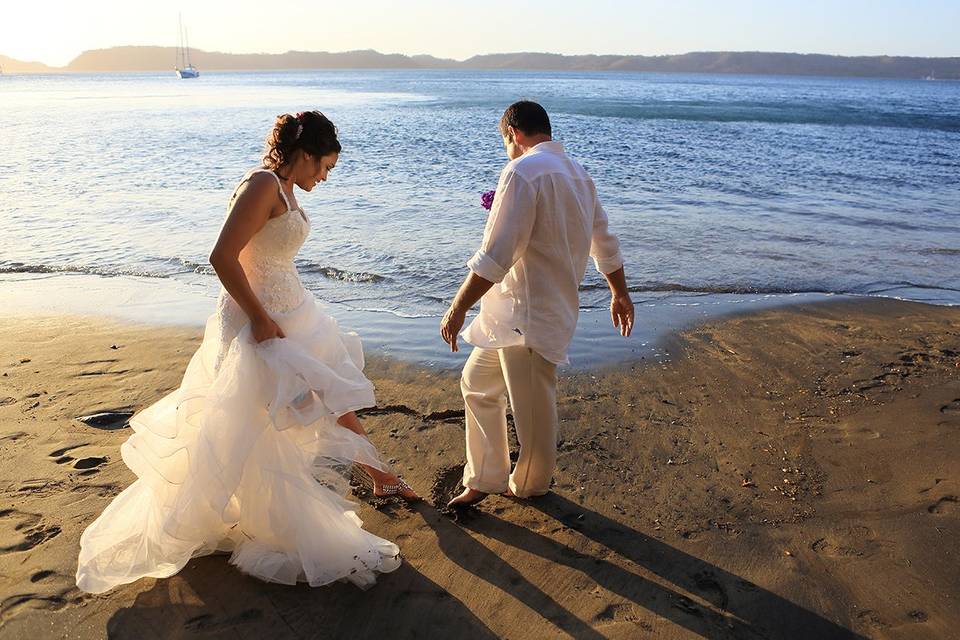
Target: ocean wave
{"type": "Point", "coordinates": [672, 287]}
{"type": "Point", "coordinates": [333, 273]}
{"type": "Point", "coordinates": [105, 271]}
{"type": "Point", "coordinates": [179, 266]}
{"type": "Point", "coordinates": [872, 288]}
{"type": "Point", "coordinates": [884, 287]}
{"type": "Point", "coordinates": [940, 252]}
{"type": "Point", "coordinates": [768, 113]}
{"type": "Point", "coordinates": [196, 267]}
{"type": "Point", "coordinates": [405, 315]}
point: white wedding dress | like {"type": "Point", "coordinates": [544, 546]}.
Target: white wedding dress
{"type": "Point", "coordinates": [246, 456]}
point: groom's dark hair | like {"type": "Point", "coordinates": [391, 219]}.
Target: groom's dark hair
{"type": "Point", "coordinates": [526, 116]}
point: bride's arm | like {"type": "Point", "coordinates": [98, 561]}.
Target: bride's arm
{"type": "Point", "coordinates": [251, 209]}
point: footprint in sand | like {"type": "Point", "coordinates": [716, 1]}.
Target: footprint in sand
{"type": "Point", "coordinates": [446, 485]}
{"type": "Point", "coordinates": [208, 623]}
{"type": "Point", "coordinates": [105, 490]}
{"type": "Point", "coordinates": [109, 420]}
{"type": "Point", "coordinates": [41, 575]}
{"type": "Point", "coordinates": [711, 590]}
{"type": "Point", "coordinates": [59, 456]}
{"type": "Point", "coordinates": [945, 504]}
{"type": "Point", "coordinates": [21, 531]}
{"type": "Point", "coordinates": [847, 542]}
{"type": "Point", "coordinates": [59, 452]}
{"type": "Point", "coordinates": [87, 466]}
{"type": "Point", "coordinates": [872, 619]}
{"type": "Point", "coordinates": [100, 372]}
{"type": "Point", "coordinates": [89, 463]}
{"type": "Point", "coordinates": [616, 613]}
{"type": "Point", "coordinates": [918, 615]}
{"type": "Point", "coordinates": [11, 606]}
{"type": "Point", "coordinates": [40, 486]}
{"type": "Point", "coordinates": [952, 407]}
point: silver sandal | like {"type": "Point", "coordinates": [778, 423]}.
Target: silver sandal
{"type": "Point", "coordinates": [395, 489]}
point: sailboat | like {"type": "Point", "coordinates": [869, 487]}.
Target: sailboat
{"type": "Point", "coordinates": [183, 67]}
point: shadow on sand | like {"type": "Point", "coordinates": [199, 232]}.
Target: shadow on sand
{"type": "Point", "coordinates": [737, 608]}
{"type": "Point", "coordinates": [210, 598]}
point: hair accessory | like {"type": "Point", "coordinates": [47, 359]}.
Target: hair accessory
{"type": "Point", "coordinates": [299, 118]}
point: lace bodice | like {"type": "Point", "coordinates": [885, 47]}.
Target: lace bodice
{"type": "Point", "coordinates": [267, 261]}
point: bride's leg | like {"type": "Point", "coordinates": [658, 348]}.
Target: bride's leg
{"type": "Point", "coordinates": [352, 422]}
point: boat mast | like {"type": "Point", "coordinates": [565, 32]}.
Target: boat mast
{"type": "Point", "coordinates": [179, 41]}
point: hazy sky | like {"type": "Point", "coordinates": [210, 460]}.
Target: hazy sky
{"type": "Point", "coordinates": [54, 31]}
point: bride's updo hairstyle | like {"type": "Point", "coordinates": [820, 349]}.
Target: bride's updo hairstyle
{"type": "Point", "coordinates": [308, 130]}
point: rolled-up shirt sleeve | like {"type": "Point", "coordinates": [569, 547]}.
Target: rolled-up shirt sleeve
{"type": "Point", "coordinates": [604, 246]}
{"type": "Point", "coordinates": [508, 229]}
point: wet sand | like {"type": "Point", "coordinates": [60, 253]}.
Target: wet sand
{"type": "Point", "coordinates": [157, 301]}
{"type": "Point", "coordinates": [790, 473]}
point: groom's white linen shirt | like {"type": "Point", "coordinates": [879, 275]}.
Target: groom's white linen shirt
{"type": "Point", "coordinates": [545, 221]}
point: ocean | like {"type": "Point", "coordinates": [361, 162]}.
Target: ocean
{"type": "Point", "coordinates": [724, 190]}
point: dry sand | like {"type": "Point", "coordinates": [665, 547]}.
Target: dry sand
{"type": "Point", "coordinates": [792, 473]}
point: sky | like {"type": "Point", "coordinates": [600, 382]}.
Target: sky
{"type": "Point", "coordinates": [55, 31]}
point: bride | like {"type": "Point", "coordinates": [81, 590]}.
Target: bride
{"type": "Point", "coordinates": [249, 455]}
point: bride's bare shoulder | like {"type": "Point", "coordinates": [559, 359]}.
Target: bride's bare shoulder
{"type": "Point", "coordinates": [256, 182]}
{"type": "Point", "coordinates": [258, 188]}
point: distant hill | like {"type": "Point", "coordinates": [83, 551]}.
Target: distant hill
{"type": "Point", "coordinates": [10, 65]}
{"type": "Point", "coordinates": [162, 59]}
{"type": "Point", "coordinates": [744, 62]}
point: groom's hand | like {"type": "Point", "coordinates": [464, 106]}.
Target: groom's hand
{"type": "Point", "coordinates": [621, 312]}
{"type": "Point", "coordinates": [450, 326]}
{"type": "Point", "coordinates": [470, 292]}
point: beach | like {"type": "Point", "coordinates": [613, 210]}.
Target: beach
{"type": "Point", "coordinates": [788, 472]}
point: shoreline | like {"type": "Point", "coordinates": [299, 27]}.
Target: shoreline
{"type": "Point", "coordinates": [789, 472]}
{"type": "Point", "coordinates": [164, 302]}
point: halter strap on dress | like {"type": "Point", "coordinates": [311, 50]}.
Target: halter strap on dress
{"type": "Point", "coordinates": [283, 194]}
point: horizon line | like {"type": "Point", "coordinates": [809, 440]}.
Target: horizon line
{"type": "Point", "coordinates": [480, 55]}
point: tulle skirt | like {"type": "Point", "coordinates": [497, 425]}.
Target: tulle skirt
{"type": "Point", "coordinates": [246, 457]}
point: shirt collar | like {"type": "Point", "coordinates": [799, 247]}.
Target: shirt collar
{"type": "Point", "coordinates": [551, 146]}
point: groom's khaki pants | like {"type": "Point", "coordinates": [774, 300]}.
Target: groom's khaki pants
{"type": "Point", "coordinates": [531, 382]}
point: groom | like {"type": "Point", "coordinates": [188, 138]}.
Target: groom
{"type": "Point", "coordinates": [545, 221]}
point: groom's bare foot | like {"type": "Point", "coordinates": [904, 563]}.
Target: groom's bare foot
{"type": "Point", "coordinates": [509, 493]}
{"type": "Point", "coordinates": [467, 498]}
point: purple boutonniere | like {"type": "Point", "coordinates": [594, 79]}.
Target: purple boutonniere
{"type": "Point", "coordinates": [486, 199]}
